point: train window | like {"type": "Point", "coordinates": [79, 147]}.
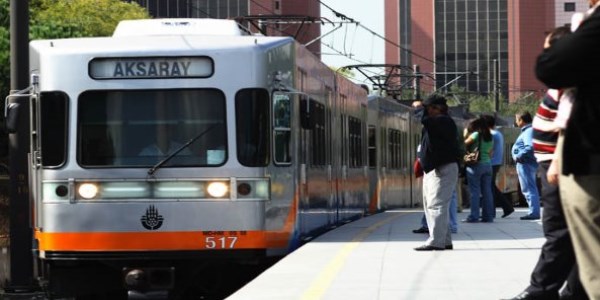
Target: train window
{"type": "Point", "coordinates": [282, 129]}
{"type": "Point", "coordinates": [394, 148]}
{"type": "Point", "coordinates": [139, 128]}
{"type": "Point", "coordinates": [372, 146]}
{"type": "Point", "coordinates": [383, 143]}
{"type": "Point", "coordinates": [54, 124]}
{"type": "Point", "coordinates": [356, 142]}
{"type": "Point", "coordinates": [319, 143]}
{"type": "Point", "coordinates": [252, 114]}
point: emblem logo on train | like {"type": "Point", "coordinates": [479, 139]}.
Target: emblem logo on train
{"type": "Point", "coordinates": [152, 220]}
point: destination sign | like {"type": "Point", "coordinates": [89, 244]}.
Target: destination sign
{"type": "Point", "coordinates": [151, 67]}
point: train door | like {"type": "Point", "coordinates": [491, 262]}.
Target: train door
{"type": "Point", "coordinates": [330, 154]}
{"type": "Point", "coordinates": [416, 183]}
{"type": "Point", "coordinates": [373, 173]}
{"type": "Point", "coordinates": [342, 192]}
{"type": "Point", "coordinates": [35, 158]}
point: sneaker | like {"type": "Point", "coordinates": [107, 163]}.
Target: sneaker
{"type": "Point", "coordinates": [421, 230]}
{"type": "Point", "coordinates": [529, 217]}
{"type": "Point", "coordinates": [507, 213]}
{"type": "Point", "coordinates": [470, 220]}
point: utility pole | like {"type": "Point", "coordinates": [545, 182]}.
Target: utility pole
{"type": "Point", "coordinates": [21, 257]}
{"type": "Point", "coordinates": [496, 86]}
{"type": "Point", "coordinates": [417, 82]}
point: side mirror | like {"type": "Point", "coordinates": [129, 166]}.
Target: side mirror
{"type": "Point", "coordinates": [307, 118]}
{"type": "Point", "coordinates": [12, 117]}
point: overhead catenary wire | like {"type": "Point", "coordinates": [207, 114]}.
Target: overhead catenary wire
{"type": "Point", "coordinates": [481, 77]}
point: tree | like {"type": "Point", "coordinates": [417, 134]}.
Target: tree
{"type": "Point", "coordinates": [79, 18]}
{"type": "Point", "coordinates": [53, 19]}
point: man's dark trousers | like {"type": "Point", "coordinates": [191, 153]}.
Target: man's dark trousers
{"type": "Point", "coordinates": [557, 259]}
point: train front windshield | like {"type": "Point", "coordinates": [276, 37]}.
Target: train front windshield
{"type": "Point", "coordinates": [139, 128]}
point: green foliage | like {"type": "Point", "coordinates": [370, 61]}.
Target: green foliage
{"type": "Point", "coordinates": [344, 72]}
{"type": "Point", "coordinates": [486, 104]}
{"type": "Point", "coordinates": [78, 18]}
{"type": "Point", "coordinates": [4, 62]}
{"type": "Point", "coordinates": [4, 13]}
{"type": "Point", "coordinates": [54, 19]}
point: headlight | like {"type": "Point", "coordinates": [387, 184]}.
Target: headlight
{"type": "Point", "coordinates": [249, 189]}
{"type": "Point", "coordinates": [88, 190]}
{"type": "Point", "coordinates": [217, 189]}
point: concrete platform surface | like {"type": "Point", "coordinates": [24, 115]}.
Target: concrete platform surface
{"type": "Point", "coordinates": [373, 258]}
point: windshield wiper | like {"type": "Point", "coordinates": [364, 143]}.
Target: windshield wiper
{"type": "Point", "coordinates": [171, 155]}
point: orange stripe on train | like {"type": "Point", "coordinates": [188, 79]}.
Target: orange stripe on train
{"type": "Point", "coordinates": [169, 241]}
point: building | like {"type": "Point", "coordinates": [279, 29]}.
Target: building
{"type": "Point", "coordinates": [459, 41]}
{"type": "Point", "coordinates": [229, 9]}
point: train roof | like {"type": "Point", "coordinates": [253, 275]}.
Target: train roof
{"type": "Point", "coordinates": [188, 26]}
{"type": "Point", "coordinates": [168, 35]}
{"type": "Point", "coordinates": [170, 44]}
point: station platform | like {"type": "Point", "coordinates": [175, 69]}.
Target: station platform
{"type": "Point", "coordinates": [373, 258]}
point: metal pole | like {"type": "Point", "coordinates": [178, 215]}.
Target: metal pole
{"type": "Point", "coordinates": [417, 82]}
{"type": "Point", "coordinates": [496, 87]}
{"type": "Point", "coordinates": [21, 258]}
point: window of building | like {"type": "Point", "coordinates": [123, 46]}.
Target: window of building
{"type": "Point", "coordinates": [570, 6]}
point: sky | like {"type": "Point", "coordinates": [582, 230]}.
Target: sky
{"type": "Point", "coordinates": [353, 40]}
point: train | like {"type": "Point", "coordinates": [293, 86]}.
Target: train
{"type": "Point", "coordinates": [180, 142]}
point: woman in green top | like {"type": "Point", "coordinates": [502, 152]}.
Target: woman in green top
{"type": "Point", "coordinates": [479, 175]}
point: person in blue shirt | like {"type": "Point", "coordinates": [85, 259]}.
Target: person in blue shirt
{"type": "Point", "coordinates": [522, 153]}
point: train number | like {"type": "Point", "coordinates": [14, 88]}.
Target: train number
{"type": "Point", "coordinates": [224, 242]}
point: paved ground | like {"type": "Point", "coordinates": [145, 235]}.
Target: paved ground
{"type": "Point", "coordinates": [373, 258]}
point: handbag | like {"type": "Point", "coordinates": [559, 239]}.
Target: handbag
{"type": "Point", "coordinates": [472, 157]}
{"type": "Point", "coordinates": [417, 168]}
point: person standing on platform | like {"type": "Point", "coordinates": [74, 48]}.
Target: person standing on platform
{"type": "Point", "coordinates": [574, 61]}
{"type": "Point", "coordinates": [557, 258]}
{"type": "Point", "coordinates": [497, 161]}
{"type": "Point", "coordinates": [522, 153]}
{"type": "Point", "coordinates": [479, 175]}
{"type": "Point", "coordinates": [438, 157]}
{"type": "Point", "coordinates": [453, 209]}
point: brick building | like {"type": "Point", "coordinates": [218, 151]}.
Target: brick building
{"type": "Point", "coordinates": [229, 9]}
{"type": "Point", "coordinates": [458, 40]}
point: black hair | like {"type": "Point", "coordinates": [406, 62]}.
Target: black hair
{"type": "Point", "coordinates": [480, 125]}
{"type": "Point", "coordinates": [490, 121]}
{"type": "Point", "coordinates": [558, 33]}
{"type": "Point", "coordinates": [525, 117]}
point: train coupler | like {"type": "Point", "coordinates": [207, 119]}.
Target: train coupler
{"type": "Point", "coordinates": [148, 283]}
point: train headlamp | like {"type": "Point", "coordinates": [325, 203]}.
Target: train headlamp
{"type": "Point", "coordinates": [217, 189]}
{"type": "Point", "coordinates": [88, 190]}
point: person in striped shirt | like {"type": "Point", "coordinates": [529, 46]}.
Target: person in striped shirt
{"type": "Point", "coordinates": [557, 258]}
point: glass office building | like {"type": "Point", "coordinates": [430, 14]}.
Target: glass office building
{"type": "Point", "coordinates": [469, 36]}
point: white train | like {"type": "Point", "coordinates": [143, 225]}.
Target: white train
{"type": "Point", "coordinates": [170, 145]}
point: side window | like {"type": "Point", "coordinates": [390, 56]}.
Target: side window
{"type": "Point", "coordinates": [356, 142]}
{"type": "Point", "coordinates": [282, 133]}
{"type": "Point", "coordinates": [252, 127]}
{"type": "Point", "coordinates": [372, 147]}
{"type": "Point", "coordinates": [54, 124]}
{"type": "Point", "coordinates": [383, 143]}
{"type": "Point", "coordinates": [319, 154]}
{"type": "Point", "coordinates": [394, 148]}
